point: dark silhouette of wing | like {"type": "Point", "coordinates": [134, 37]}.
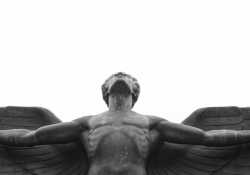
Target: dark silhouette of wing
{"type": "Point", "coordinates": [178, 159]}
{"type": "Point", "coordinates": [63, 159]}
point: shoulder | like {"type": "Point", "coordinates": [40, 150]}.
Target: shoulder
{"type": "Point", "coordinates": [86, 120]}
{"type": "Point", "coordinates": [83, 121]}
{"type": "Point", "coordinates": [154, 121]}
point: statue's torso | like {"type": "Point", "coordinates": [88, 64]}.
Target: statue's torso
{"type": "Point", "coordinates": [118, 143]}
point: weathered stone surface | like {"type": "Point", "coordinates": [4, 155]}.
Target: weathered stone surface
{"type": "Point", "coordinates": [120, 141]}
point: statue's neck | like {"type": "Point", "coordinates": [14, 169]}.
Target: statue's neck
{"type": "Point", "coordinates": [120, 102]}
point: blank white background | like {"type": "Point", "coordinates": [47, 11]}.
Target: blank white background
{"type": "Point", "coordinates": [185, 54]}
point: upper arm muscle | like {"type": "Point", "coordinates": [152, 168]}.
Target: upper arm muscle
{"type": "Point", "coordinates": [178, 133]}
{"type": "Point", "coordinates": [58, 133]}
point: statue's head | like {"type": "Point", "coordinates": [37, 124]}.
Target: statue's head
{"type": "Point", "coordinates": [121, 83]}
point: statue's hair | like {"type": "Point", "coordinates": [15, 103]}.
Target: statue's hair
{"type": "Point", "coordinates": [136, 88]}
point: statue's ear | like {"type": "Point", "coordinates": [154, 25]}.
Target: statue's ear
{"type": "Point", "coordinates": [105, 93]}
{"type": "Point", "coordinates": [106, 98]}
{"type": "Point", "coordinates": [133, 99]}
{"type": "Point", "coordinates": [135, 96]}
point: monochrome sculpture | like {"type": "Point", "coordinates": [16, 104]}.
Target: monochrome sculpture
{"type": "Point", "coordinates": [211, 141]}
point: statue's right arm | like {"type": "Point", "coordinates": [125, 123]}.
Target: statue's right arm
{"type": "Point", "coordinates": [183, 134]}
{"type": "Point", "coordinates": [51, 134]}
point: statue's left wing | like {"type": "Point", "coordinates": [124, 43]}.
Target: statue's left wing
{"type": "Point", "coordinates": [63, 159]}
{"type": "Point", "coordinates": [180, 159]}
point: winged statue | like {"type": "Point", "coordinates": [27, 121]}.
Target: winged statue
{"type": "Point", "coordinates": [120, 141]}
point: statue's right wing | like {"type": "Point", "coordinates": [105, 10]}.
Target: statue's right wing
{"type": "Point", "coordinates": [181, 159]}
{"type": "Point", "coordinates": [63, 159]}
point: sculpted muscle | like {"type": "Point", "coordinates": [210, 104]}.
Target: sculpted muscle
{"type": "Point", "coordinates": [119, 141]}
{"type": "Point", "coordinates": [128, 141]}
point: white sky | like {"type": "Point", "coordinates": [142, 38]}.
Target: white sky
{"type": "Point", "coordinates": [185, 54]}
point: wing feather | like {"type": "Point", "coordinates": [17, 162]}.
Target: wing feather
{"type": "Point", "coordinates": [62, 159]}
{"type": "Point", "coordinates": [174, 159]}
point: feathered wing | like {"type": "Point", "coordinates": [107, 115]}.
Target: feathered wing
{"type": "Point", "coordinates": [177, 159]}
{"type": "Point", "coordinates": [63, 159]}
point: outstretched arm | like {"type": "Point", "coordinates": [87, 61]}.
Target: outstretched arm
{"type": "Point", "coordinates": [51, 134]}
{"type": "Point", "coordinates": [178, 133]}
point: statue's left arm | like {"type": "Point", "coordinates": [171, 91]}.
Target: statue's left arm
{"type": "Point", "coordinates": [183, 134]}
{"type": "Point", "coordinates": [51, 134]}
{"type": "Point", "coordinates": [30, 126]}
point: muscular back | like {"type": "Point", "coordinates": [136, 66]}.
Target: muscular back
{"type": "Point", "coordinates": [118, 143]}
